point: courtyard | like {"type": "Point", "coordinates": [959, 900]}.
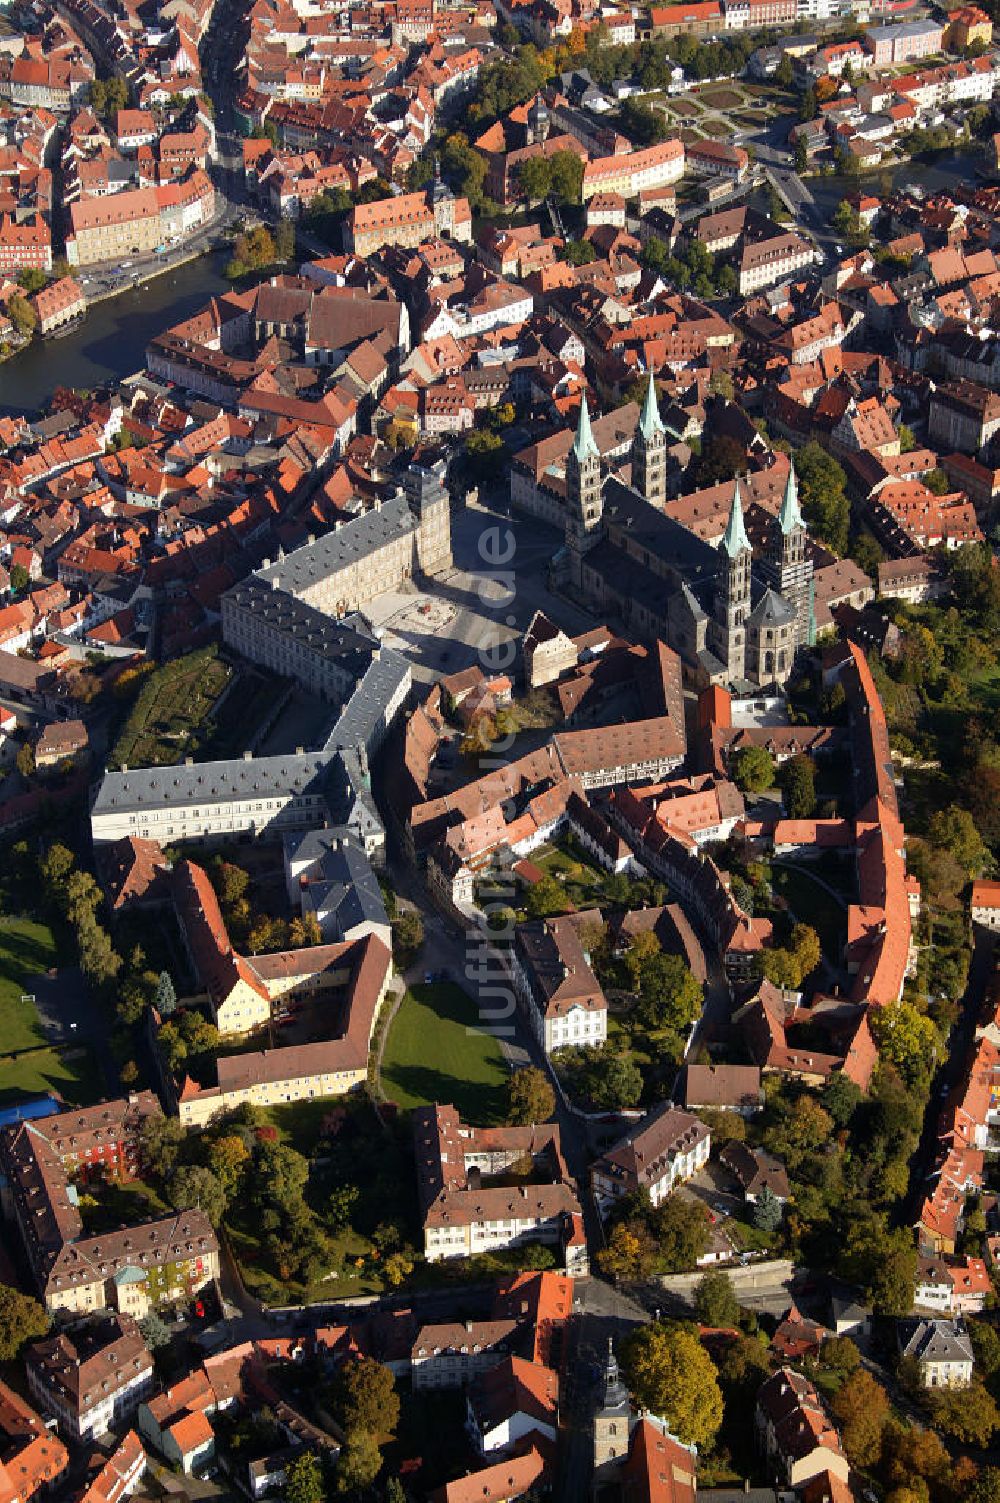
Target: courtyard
{"type": "Point", "coordinates": [437, 1052]}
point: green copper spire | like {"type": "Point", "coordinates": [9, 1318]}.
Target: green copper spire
{"type": "Point", "coordinates": [649, 423]}
{"type": "Point", "coordinates": [790, 517]}
{"type": "Point", "coordinates": [735, 538]}
{"type": "Point", "coordinates": [583, 444]}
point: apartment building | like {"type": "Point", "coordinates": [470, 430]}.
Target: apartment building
{"type": "Point", "coordinates": [985, 904]}
{"type": "Point", "coordinates": [34, 1459]}
{"type": "Point", "coordinates": [794, 1431]}
{"type": "Point", "coordinates": [138, 220]}
{"type": "Point", "coordinates": [59, 304]}
{"type": "Point", "coordinates": [891, 45]}
{"type": "Point", "coordinates": [358, 974]}
{"type": "Point", "coordinates": [561, 997]}
{"type": "Point", "coordinates": [717, 159]}
{"type": "Point", "coordinates": [131, 1270]}
{"type": "Point", "coordinates": [464, 1214]}
{"type": "Point", "coordinates": [633, 171]}
{"type": "Point", "coordinates": [665, 1149]}
{"type": "Point", "coordinates": [92, 1379]}
{"type": "Point", "coordinates": [765, 263]}
{"type": "Point", "coordinates": [941, 1350]}
{"type": "Point", "coordinates": [408, 220]}
{"type": "Point", "coordinates": [962, 415]}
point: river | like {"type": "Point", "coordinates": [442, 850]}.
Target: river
{"type": "Point", "coordinates": [111, 341]}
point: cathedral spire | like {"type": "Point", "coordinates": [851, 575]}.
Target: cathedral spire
{"type": "Point", "coordinates": [735, 538]}
{"type": "Point", "coordinates": [649, 421]}
{"type": "Point", "coordinates": [790, 517]}
{"type": "Point", "coordinates": [584, 445]}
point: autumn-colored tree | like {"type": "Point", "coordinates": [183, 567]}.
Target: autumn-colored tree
{"type": "Point", "coordinates": [630, 1252]}
{"type": "Point", "coordinates": [669, 1372]}
{"type": "Point", "coordinates": [530, 1097]}
{"type": "Point", "coordinates": [861, 1406]}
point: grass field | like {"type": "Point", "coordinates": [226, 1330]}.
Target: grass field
{"type": "Point", "coordinates": [436, 1052]}
{"type": "Point", "coordinates": [582, 883]}
{"type": "Point", "coordinates": [26, 949]}
{"type": "Point", "coordinates": [71, 1073]}
{"type": "Point", "coordinates": [172, 707]}
{"type": "Point", "coordinates": [812, 904]}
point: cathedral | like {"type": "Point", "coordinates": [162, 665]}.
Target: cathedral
{"type": "Point", "coordinates": [735, 620]}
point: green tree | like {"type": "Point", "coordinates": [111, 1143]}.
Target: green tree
{"type": "Point", "coordinates": [154, 1330]}
{"type": "Point", "coordinates": [359, 1463]}
{"type": "Point", "coordinates": [22, 315]}
{"type": "Point", "coordinates": [535, 177]}
{"type": "Point", "coordinates": [530, 1097]}
{"type": "Point", "coordinates": [767, 1211]}
{"type": "Point", "coordinates": [822, 495]}
{"type": "Point", "coordinates": [19, 579]}
{"type": "Point", "coordinates": [578, 253]}
{"type": "Point", "coordinates": [894, 1277]}
{"type": "Point", "coordinates": [567, 177]}
{"type": "Point", "coordinates": [715, 1302]}
{"type": "Point", "coordinates": [363, 1397]}
{"type": "Point", "coordinates": [968, 1415]}
{"type": "Point", "coordinates": [752, 769]}
{"type": "Point", "coordinates": [841, 1098]}
{"type": "Point", "coordinates": [193, 1186]}
{"type": "Point", "coordinates": [841, 1354]}
{"type": "Point", "coordinates": [165, 998]}
{"type": "Point", "coordinates": [669, 1372]}
{"type": "Point", "coordinates": [481, 453]}
{"type": "Point", "coordinates": [32, 279]}
{"type": "Point", "coordinates": [408, 933]}
{"type": "Point", "coordinates": [907, 439]}
{"type": "Point", "coordinates": [304, 1479]}
{"type": "Point", "coordinates": [797, 780]}
{"type": "Point", "coordinates": [545, 898]}
{"type": "Point", "coordinates": [160, 1140]}
{"type": "Point", "coordinates": [619, 1084]}
{"type": "Point", "coordinates": [954, 830]}
{"type": "Point", "coordinates": [669, 995]}
{"type": "Point", "coordinates": [22, 1319]}
{"type": "Point", "coordinates": [26, 759]}
{"type": "Point", "coordinates": [906, 1038]}
{"type": "Point", "coordinates": [681, 1228]}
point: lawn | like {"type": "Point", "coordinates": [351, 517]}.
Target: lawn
{"type": "Point", "coordinates": [812, 904]}
{"type": "Point", "coordinates": [437, 1052]}
{"type": "Point", "coordinates": [582, 883]}
{"type": "Point", "coordinates": [172, 707]}
{"type": "Point", "coordinates": [26, 949]}
{"type": "Point", "coordinates": [70, 1073]}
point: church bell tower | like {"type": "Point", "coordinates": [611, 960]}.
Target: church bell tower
{"type": "Point", "coordinates": [649, 451]}
{"type": "Point", "coordinates": [584, 507]}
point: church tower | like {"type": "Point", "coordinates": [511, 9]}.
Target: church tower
{"type": "Point", "coordinates": [731, 605]}
{"type": "Point", "coordinates": [612, 1422]}
{"type": "Point", "coordinates": [649, 451]}
{"type": "Point", "coordinates": [787, 567]}
{"type": "Point", "coordinates": [539, 123]}
{"type": "Point", "coordinates": [584, 506]}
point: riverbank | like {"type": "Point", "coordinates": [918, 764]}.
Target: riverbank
{"type": "Point", "coordinates": [110, 343]}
